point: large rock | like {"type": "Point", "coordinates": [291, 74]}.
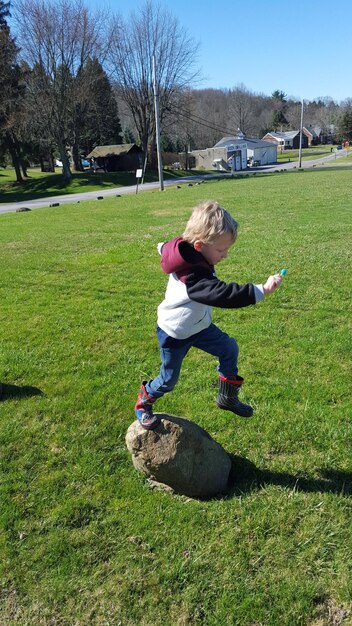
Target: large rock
{"type": "Point", "coordinates": [181, 455]}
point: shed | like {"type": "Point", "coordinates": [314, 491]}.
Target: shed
{"type": "Point", "coordinates": [124, 157]}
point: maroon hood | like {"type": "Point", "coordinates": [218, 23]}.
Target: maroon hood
{"type": "Point", "coordinates": [179, 257]}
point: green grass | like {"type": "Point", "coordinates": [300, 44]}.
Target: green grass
{"type": "Point", "coordinates": [345, 160]}
{"type": "Point", "coordinates": [44, 185]}
{"type": "Point", "coordinates": [315, 152]}
{"type": "Point", "coordinates": [83, 539]}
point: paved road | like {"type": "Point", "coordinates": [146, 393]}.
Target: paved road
{"type": "Point", "coordinates": [109, 193]}
{"type": "Point", "coordinates": [106, 193]}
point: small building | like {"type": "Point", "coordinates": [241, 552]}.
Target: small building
{"type": "Point", "coordinates": [125, 157]}
{"type": "Point", "coordinates": [223, 158]}
{"type": "Point", "coordinates": [234, 154]}
{"type": "Point", "coordinates": [258, 152]}
{"type": "Point", "coordinates": [286, 140]}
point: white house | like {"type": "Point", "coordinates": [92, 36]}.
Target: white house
{"type": "Point", "coordinates": [257, 151]}
{"type": "Point", "coordinates": [234, 154]}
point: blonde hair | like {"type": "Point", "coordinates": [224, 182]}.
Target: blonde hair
{"type": "Point", "coordinates": [208, 222]}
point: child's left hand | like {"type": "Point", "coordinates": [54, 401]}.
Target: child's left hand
{"type": "Point", "coordinates": [272, 283]}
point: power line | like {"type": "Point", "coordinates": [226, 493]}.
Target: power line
{"type": "Point", "coordinates": [192, 117]}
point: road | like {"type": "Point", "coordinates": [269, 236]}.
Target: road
{"type": "Point", "coordinates": [118, 191]}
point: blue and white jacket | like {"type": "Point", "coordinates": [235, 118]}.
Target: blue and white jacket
{"type": "Point", "coordinates": [193, 289]}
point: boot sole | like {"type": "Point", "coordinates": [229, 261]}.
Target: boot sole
{"type": "Point", "coordinates": [225, 408]}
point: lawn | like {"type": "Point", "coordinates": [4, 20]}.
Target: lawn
{"type": "Point", "coordinates": [315, 152]}
{"type": "Point", "coordinates": [84, 541]}
{"type": "Point", "coordinates": [44, 185]}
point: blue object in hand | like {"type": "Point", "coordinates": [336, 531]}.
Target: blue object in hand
{"type": "Point", "coordinates": [283, 272]}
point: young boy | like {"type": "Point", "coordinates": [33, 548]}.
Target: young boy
{"type": "Point", "coordinates": [184, 316]}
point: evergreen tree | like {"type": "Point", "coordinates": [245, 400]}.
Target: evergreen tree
{"type": "Point", "coordinates": [101, 123]}
{"type": "Point", "coordinates": [345, 125]}
{"type": "Point", "coordinates": [11, 94]}
{"type": "Point", "coordinates": [128, 136]}
{"type": "Point", "coordinates": [4, 12]}
{"type": "Point", "coordinates": [280, 107]}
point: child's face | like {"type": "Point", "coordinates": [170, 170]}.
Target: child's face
{"type": "Point", "coordinates": [217, 250]}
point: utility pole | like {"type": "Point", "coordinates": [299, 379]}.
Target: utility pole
{"type": "Point", "coordinates": [157, 127]}
{"type": "Point", "coordinates": [300, 138]}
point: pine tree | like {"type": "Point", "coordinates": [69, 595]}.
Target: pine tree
{"type": "Point", "coordinates": [279, 110]}
{"type": "Point", "coordinates": [101, 124]}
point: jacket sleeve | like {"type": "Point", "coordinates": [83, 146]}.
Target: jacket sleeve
{"type": "Point", "coordinates": [203, 287]}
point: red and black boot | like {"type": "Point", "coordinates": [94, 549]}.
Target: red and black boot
{"type": "Point", "coordinates": [144, 409]}
{"type": "Point", "coordinates": [228, 396]}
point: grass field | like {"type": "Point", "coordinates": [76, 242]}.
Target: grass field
{"type": "Point", "coordinates": [315, 152]}
{"type": "Point", "coordinates": [44, 185]}
{"type": "Point", "coordinates": [83, 539]}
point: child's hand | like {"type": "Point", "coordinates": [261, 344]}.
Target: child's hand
{"type": "Point", "coordinates": [272, 283]}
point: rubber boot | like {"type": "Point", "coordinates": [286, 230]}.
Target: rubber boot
{"type": "Point", "coordinates": [228, 396]}
{"type": "Point", "coordinates": [144, 409]}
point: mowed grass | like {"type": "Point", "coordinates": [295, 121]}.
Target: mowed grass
{"type": "Point", "coordinates": [46, 185]}
{"type": "Point", "coordinates": [83, 539]}
{"type": "Point", "coordinates": [314, 152]}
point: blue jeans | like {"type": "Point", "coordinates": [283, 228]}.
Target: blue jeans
{"type": "Point", "coordinates": [173, 351]}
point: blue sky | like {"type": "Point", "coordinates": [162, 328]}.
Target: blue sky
{"type": "Point", "coordinates": [301, 47]}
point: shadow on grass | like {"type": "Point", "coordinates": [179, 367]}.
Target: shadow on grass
{"type": "Point", "coordinates": [17, 391]}
{"type": "Point", "coordinates": [55, 185]}
{"type": "Point", "coordinates": [245, 477]}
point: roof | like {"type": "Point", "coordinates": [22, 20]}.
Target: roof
{"type": "Point", "coordinates": [314, 130]}
{"type": "Point", "coordinates": [290, 134]}
{"type": "Point", "coordinates": [107, 151]}
{"type": "Point", "coordinates": [250, 141]}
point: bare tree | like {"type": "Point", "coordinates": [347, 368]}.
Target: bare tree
{"type": "Point", "coordinates": [241, 109]}
{"type": "Point", "coordinates": [57, 39]}
{"type": "Point", "coordinates": [152, 32]}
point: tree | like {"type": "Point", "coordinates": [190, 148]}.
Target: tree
{"type": "Point", "coordinates": [345, 122]}
{"type": "Point", "coordinates": [152, 32]}
{"type": "Point", "coordinates": [4, 12]}
{"type": "Point", "coordinates": [58, 39]}
{"type": "Point", "coordinates": [100, 122]}
{"type": "Point", "coordinates": [279, 109]}
{"type": "Point", "coordinates": [242, 109]}
{"type": "Point", "coordinates": [11, 93]}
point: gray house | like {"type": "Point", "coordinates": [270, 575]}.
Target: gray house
{"type": "Point", "coordinates": [257, 151]}
{"type": "Point", "coordinates": [222, 157]}
{"type": "Point", "coordinates": [234, 154]}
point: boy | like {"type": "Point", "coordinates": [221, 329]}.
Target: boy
{"type": "Point", "coordinates": [184, 316]}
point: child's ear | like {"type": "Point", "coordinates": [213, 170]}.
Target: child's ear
{"type": "Point", "coordinates": [198, 245]}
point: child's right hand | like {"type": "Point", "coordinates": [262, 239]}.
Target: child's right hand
{"type": "Point", "coordinates": [272, 283]}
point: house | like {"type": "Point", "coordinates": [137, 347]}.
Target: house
{"type": "Point", "coordinates": [231, 155]}
{"type": "Point", "coordinates": [286, 140]}
{"type": "Point", "coordinates": [258, 151]}
{"type": "Point", "coordinates": [234, 153]}
{"type": "Point", "coordinates": [125, 157]}
{"type": "Point", "coordinates": [314, 134]}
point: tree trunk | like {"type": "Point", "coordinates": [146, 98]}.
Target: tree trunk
{"type": "Point", "coordinates": [77, 163]}
{"type": "Point", "coordinates": [24, 167]}
{"type": "Point", "coordinates": [66, 171]}
{"type": "Point", "coordinates": [12, 147]}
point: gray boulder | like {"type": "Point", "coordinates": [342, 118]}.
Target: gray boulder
{"type": "Point", "coordinates": [181, 455]}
